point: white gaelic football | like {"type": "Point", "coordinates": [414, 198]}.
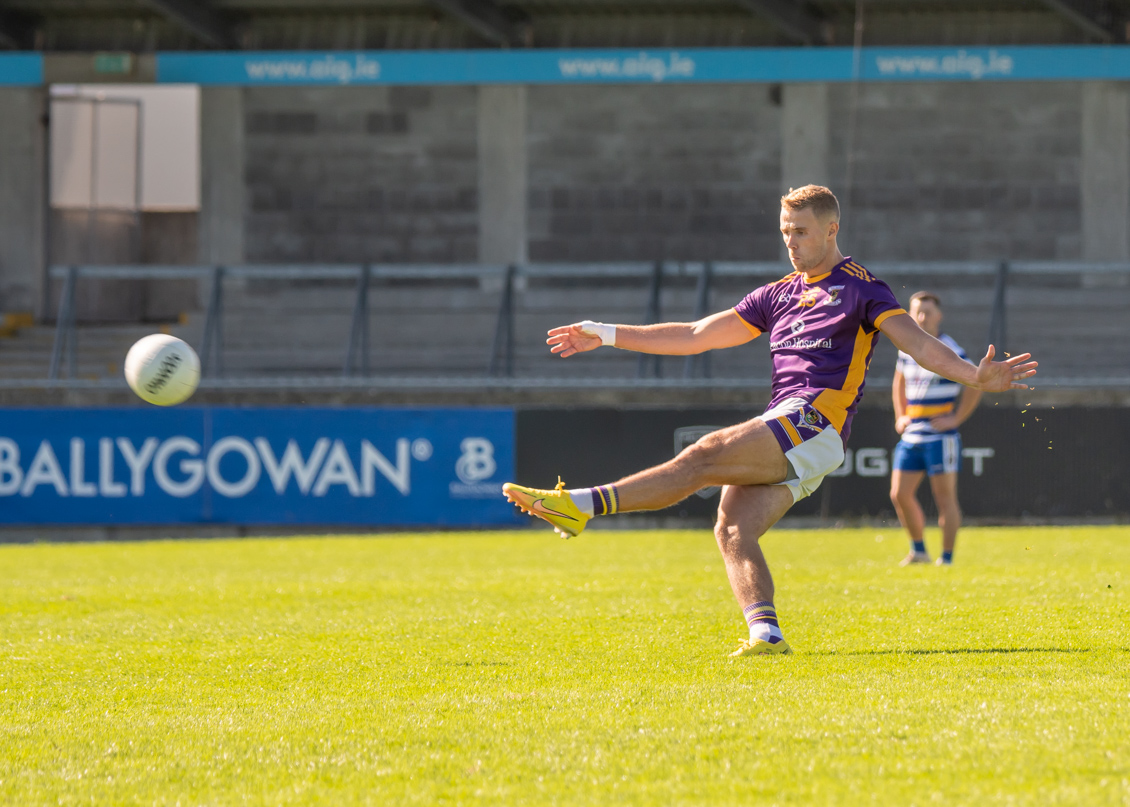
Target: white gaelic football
{"type": "Point", "coordinates": [162, 369]}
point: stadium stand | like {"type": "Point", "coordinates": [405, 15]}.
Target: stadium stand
{"type": "Point", "coordinates": [455, 322]}
{"type": "Point", "coordinates": [62, 25]}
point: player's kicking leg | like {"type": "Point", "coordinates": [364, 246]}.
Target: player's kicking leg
{"type": "Point", "coordinates": [745, 454]}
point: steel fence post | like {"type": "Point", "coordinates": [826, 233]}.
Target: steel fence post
{"type": "Point", "coordinates": [212, 342]}
{"type": "Point", "coordinates": [998, 321]}
{"type": "Point", "coordinates": [359, 327]}
{"type": "Point", "coordinates": [503, 342]}
{"type": "Point", "coordinates": [64, 326]}
{"type": "Point", "coordinates": [654, 308]}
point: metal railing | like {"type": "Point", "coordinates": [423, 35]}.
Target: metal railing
{"type": "Point", "coordinates": [500, 361]}
{"type": "Point", "coordinates": [499, 366]}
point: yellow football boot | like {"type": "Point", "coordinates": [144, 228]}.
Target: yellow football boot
{"type": "Point", "coordinates": [760, 647]}
{"type": "Point", "coordinates": [555, 506]}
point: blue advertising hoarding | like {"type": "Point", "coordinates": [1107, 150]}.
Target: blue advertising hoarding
{"type": "Point", "coordinates": [620, 66]}
{"type": "Point", "coordinates": [21, 69]}
{"type": "Point", "coordinates": [256, 466]}
{"type": "Point", "coordinates": [699, 65]}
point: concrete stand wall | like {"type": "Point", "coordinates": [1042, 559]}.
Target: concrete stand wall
{"type": "Point", "coordinates": [22, 200]}
{"type": "Point", "coordinates": [503, 175]}
{"type": "Point", "coordinates": [1104, 182]}
{"type": "Point", "coordinates": [943, 171]}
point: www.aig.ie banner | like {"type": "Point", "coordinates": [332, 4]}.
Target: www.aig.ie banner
{"type": "Point", "coordinates": [620, 66]}
{"type": "Point", "coordinates": [256, 466]}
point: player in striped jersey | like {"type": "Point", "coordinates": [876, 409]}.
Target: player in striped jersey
{"type": "Point", "coordinates": [928, 410]}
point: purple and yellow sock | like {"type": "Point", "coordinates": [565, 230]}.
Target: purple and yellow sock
{"type": "Point", "coordinates": [605, 500]}
{"type": "Point", "coordinates": [599, 501]}
{"type": "Point", "coordinates": [760, 612]}
{"type": "Point", "coordinates": [762, 620]}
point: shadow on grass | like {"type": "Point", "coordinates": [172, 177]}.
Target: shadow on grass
{"type": "Point", "coordinates": [958, 651]}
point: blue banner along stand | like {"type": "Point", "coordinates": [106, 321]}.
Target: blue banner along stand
{"type": "Point", "coordinates": [698, 65]}
{"type": "Point", "coordinates": [21, 69]}
{"type": "Point", "coordinates": [619, 66]}
{"type": "Point", "coordinates": [364, 467]}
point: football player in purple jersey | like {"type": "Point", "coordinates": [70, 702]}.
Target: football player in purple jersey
{"type": "Point", "coordinates": [823, 320]}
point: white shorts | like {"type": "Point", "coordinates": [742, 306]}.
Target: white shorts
{"type": "Point", "coordinates": [811, 444]}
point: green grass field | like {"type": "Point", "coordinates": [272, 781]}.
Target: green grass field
{"type": "Point", "coordinates": [516, 668]}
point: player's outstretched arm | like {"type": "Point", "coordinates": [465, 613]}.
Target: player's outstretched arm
{"type": "Point", "coordinates": [988, 376]}
{"type": "Point", "coordinates": [724, 329]}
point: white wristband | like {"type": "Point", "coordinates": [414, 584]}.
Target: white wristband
{"type": "Point", "coordinates": [607, 333]}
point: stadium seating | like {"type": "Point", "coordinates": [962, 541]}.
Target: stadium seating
{"type": "Point", "coordinates": [1073, 320]}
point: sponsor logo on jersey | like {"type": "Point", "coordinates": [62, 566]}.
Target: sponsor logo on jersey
{"type": "Point", "coordinates": [801, 344]}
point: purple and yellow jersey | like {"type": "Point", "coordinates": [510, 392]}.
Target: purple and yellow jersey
{"type": "Point", "coordinates": [822, 333]}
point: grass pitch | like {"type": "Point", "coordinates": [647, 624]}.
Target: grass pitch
{"type": "Point", "coordinates": [515, 668]}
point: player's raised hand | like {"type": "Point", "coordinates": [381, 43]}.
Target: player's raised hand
{"type": "Point", "coordinates": [570, 339]}
{"type": "Point", "coordinates": [999, 376]}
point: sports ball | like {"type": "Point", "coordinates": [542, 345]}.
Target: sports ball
{"type": "Point", "coordinates": [162, 369]}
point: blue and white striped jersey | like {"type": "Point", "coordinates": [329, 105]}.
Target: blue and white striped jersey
{"type": "Point", "coordinates": [928, 395]}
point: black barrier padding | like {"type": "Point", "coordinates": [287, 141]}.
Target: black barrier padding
{"type": "Point", "coordinates": [1066, 462]}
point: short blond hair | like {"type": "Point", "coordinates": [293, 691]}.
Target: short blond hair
{"type": "Point", "coordinates": [927, 295]}
{"type": "Point", "coordinates": [821, 200]}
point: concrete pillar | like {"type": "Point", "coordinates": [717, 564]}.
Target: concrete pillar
{"type": "Point", "coordinates": [22, 199]}
{"type": "Point", "coordinates": [502, 174]}
{"type": "Point", "coordinates": [804, 135]}
{"type": "Point", "coordinates": [1104, 182]}
{"type": "Point", "coordinates": [222, 182]}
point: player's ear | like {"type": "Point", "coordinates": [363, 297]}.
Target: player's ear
{"type": "Point", "coordinates": [833, 228]}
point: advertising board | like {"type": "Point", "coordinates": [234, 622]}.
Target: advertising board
{"type": "Point", "coordinates": [256, 466]}
{"type": "Point", "coordinates": [646, 66]}
{"type": "Point", "coordinates": [1017, 463]}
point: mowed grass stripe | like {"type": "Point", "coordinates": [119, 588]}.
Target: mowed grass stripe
{"type": "Point", "coordinates": [516, 668]}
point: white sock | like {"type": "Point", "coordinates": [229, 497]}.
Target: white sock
{"type": "Point", "coordinates": [582, 497]}
{"type": "Point", "coordinates": [764, 631]}
{"type": "Point", "coordinates": [762, 620]}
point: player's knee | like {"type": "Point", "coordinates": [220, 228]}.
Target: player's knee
{"type": "Point", "coordinates": [726, 535]}
{"type": "Point", "coordinates": [730, 537]}
{"type": "Point", "coordinates": [946, 502]}
{"type": "Point", "coordinates": [900, 496]}
{"type": "Point", "coordinates": [950, 510]}
{"type": "Point", "coordinates": [701, 455]}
